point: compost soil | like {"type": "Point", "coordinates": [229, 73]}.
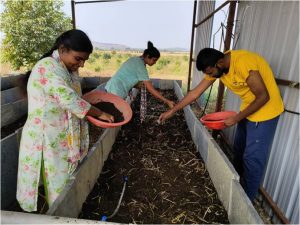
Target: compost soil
{"type": "Point", "coordinates": [167, 179]}
{"type": "Point", "coordinates": [110, 108]}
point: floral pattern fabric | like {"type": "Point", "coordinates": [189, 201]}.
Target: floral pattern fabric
{"type": "Point", "coordinates": [54, 132]}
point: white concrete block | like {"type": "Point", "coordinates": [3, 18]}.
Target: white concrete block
{"type": "Point", "coordinates": [79, 187]}
{"type": "Point", "coordinates": [221, 171]}
{"type": "Point", "coordinates": [8, 217]}
{"type": "Point", "coordinates": [201, 141]}
{"type": "Point", "coordinates": [168, 84]}
{"type": "Point", "coordinates": [177, 90]}
{"type": "Point", "coordinates": [106, 144]}
{"type": "Point", "coordinates": [241, 210]}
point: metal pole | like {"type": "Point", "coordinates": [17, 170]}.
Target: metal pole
{"type": "Point", "coordinates": [101, 1]}
{"type": "Point", "coordinates": [291, 84]}
{"type": "Point", "coordinates": [211, 14]}
{"type": "Point", "coordinates": [230, 21]}
{"type": "Point", "coordinates": [73, 14]}
{"type": "Point", "coordinates": [192, 47]}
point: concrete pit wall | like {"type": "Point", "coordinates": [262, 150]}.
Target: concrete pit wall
{"type": "Point", "coordinates": [226, 181]}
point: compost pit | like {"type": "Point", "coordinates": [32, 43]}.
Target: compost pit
{"type": "Point", "coordinates": [167, 179]}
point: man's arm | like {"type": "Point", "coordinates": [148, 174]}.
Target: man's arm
{"type": "Point", "coordinates": [258, 88]}
{"type": "Point", "coordinates": [189, 98]}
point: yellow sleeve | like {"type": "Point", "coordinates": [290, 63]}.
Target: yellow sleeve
{"type": "Point", "coordinates": [245, 64]}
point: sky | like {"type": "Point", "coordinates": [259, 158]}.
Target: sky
{"type": "Point", "coordinates": [166, 23]}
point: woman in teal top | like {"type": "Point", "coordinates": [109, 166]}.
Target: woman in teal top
{"type": "Point", "coordinates": [134, 71]}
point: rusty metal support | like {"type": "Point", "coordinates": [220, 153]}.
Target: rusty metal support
{"type": "Point", "coordinates": [73, 2]}
{"type": "Point", "coordinates": [292, 84]}
{"type": "Point", "coordinates": [229, 29]}
{"type": "Point", "coordinates": [273, 205]}
{"type": "Point", "coordinates": [192, 47]}
{"type": "Point", "coordinates": [212, 13]}
{"type": "Point", "coordinates": [73, 14]}
{"type": "Point", "coordinates": [97, 1]}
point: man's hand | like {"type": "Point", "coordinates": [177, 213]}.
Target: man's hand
{"type": "Point", "coordinates": [106, 117]}
{"type": "Point", "coordinates": [164, 116]}
{"type": "Point", "coordinates": [230, 121]}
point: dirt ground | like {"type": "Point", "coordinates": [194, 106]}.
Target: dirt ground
{"type": "Point", "coordinates": [167, 179]}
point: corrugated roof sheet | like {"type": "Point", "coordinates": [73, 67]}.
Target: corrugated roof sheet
{"type": "Point", "coordinates": [202, 35]}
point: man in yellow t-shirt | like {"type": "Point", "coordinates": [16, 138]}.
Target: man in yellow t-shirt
{"type": "Point", "coordinates": [248, 75]}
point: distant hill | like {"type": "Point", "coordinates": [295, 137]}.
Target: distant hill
{"type": "Point", "coordinates": [176, 49]}
{"type": "Point", "coordinates": [110, 46]}
{"type": "Point", "coordinates": [120, 47]}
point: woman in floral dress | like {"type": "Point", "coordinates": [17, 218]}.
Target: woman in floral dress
{"type": "Point", "coordinates": [55, 135]}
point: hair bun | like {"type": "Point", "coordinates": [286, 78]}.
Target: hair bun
{"type": "Point", "coordinates": [150, 45]}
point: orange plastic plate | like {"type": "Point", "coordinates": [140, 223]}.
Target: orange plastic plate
{"type": "Point", "coordinates": [215, 121]}
{"type": "Point", "coordinates": [96, 96]}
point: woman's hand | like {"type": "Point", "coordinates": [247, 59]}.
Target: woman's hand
{"type": "Point", "coordinates": [97, 113]}
{"type": "Point", "coordinates": [106, 117]}
{"type": "Point", "coordinates": [171, 104]}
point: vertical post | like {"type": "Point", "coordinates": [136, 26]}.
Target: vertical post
{"type": "Point", "coordinates": [230, 21]}
{"type": "Point", "coordinates": [192, 47]}
{"type": "Point", "coordinates": [73, 14]}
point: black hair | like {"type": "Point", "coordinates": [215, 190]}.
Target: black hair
{"type": "Point", "coordinates": [208, 57]}
{"type": "Point", "coordinates": [151, 51]}
{"type": "Point", "coordinates": [73, 39]}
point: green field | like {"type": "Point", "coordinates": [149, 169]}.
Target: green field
{"type": "Point", "coordinates": [173, 66]}
{"type": "Point", "coordinates": [107, 63]}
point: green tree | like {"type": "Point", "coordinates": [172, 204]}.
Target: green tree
{"type": "Point", "coordinates": [30, 28]}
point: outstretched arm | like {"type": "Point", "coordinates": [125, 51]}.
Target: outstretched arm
{"type": "Point", "coordinates": [156, 94]}
{"type": "Point", "coordinates": [189, 98]}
